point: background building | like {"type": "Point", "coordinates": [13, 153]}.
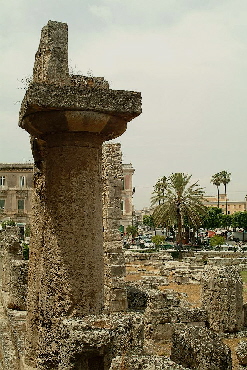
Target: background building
{"type": "Point", "coordinates": [232, 206]}
{"type": "Point", "coordinates": [16, 187]}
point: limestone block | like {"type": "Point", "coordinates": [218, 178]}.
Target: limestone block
{"type": "Point", "coordinates": [144, 363]}
{"type": "Point", "coordinates": [241, 352]}
{"type": "Point", "coordinates": [51, 59]}
{"type": "Point", "coordinates": [137, 298]}
{"type": "Point", "coordinates": [222, 298]}
{"type": "Point", "coordinates": [99, 338]}
{"type": "Point", "coordinates": [245, 314]}
{"type": "Point", "coordinates": [18, 285]}
{"type": "Point", "coordinates": [200, 348]}
{"type": "Point", "coordinates": [117, 270]}
{"type": "Point", "coordinates": [192, 315]}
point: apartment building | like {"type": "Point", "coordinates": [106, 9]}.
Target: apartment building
{"type": "Point", "coordinates": [16, 187]}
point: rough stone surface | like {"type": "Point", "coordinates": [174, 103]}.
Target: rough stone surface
{"type": "Point", "coordinates": [69, 118]}
{"type": "Point", "coordinates": [18, 285]}
{"type": "Point", "coordinates": [114, 262]}
{"type": "Point", "coordinates": [144, 363]}
{"type": "Point", "coordinates": [10, 243]}
{"type": "Point", "coordinates": [95, 341]}
{"type": "Point", "coordinates": [241, 352]}
{"type": "Point", "coordinates": [137, 297]}
{"type": "Point", "coordinates": [51, 59]}
{"type": "Point", "coordinates": [166, 311]}
{"type": "Point", "coordinates": [222, 298]}
{"type": "Point", "coordinates": [200, 348]}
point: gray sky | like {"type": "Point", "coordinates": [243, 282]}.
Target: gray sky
{"type": "Point", "coordinates": [187, 57]}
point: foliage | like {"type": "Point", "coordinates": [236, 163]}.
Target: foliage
{"type": "Point", "coordinates": [212, 218]}
{"type": "Point", "coordinates": [8, 223]}
{"type": "Point", "coordinates": [219, 178]}
{"type": "Point", "coordinates": [244, 276]}
{"type": "Point", "coordinates": [25, 251]}
{"type": "Point", "coordinates": [159, 191]}
{"type": "Point", "coordinates": [148, 221]}
{"type": "Point", "coordinates": [225, 178]}
{"type": "Point", "coordinates": [216, 180]}
{"type": "Point", "coordinates": [181, 200]}
{"type": "Point", "coordinates": [217, 240]}
{"type": "Point", "coordinates": [27, 231]}
{"type": "Point", "coordinates": [239, 219]}
{"type": "Point", "coordinates": [131, 230]}
{"type": "Point", "coordinates": [226, 220]}
{"type": "Point", "coordinates": [158, 240]}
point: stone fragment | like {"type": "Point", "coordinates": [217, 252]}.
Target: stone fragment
{"type": "Point", "coordinates": [18, 285]}
{"type": "Point", "coordinates": [222, 298]}
{"type": "Point", "coordinates": [144, 363]}
{"type": "Point", "coordinates": [241, 352]}
{"type": "Point", "coordinates": [200, 348]}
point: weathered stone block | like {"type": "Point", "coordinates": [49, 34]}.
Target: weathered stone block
{"type": "Point", "coordinates": [18, 285]}
{"type": "Point", "coordinates": [241, 352]}
{"type": "Point", "coordinates": [222, 298]}
{"type": "Point", "coordinates": [144, 363]}
{"type": "Point", "coordinates": [200, 348]}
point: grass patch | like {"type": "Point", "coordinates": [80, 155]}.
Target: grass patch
{"type": "Point", "coordinates": [244, 276]}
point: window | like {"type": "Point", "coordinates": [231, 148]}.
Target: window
{"type": "Point", "coordinates": [20, 204]}
{"type": "Point", "coordinates": [2, 180]}
{"type": "Point", "coordinates": [2, 204]}
{"type": "Point", "coordinates": [22, 181]}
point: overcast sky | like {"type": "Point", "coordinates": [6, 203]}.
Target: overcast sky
{"type": "Point", "coordinates": [188, 58]}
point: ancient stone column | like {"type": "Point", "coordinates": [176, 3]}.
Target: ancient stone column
{"type": "Point", "coordinates": [112, 171]}
{"type": "Point", "coordinates": [68, 117]}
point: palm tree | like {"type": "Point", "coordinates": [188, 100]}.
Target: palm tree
{"type": "Point", "coordinates": [225, 179]}
{"type": "Point", "coordinates": [181, 202]}
{"type": "Point", "coordinates": [159, 191]}
{"type": "Point", "coordinates": [217, 180]}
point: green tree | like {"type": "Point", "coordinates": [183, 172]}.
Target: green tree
{"type": "Point", "coordinates": [225, 179]}
{"type": "Point", "coordinates": [148, 221]}
{"type": "Point", "coordinates": [158, 240]}
{"type": "Point", "coordinates": [216, 180]}
{"type": "Point", "coordinates": [226, 221]}
{"type": "Point", "coordinates": [131, 230]}
{"type": "Point", "coordinates": [239, 219]}
{"type": "Point", "coordinates": [159, 191]}
{"type": "Point", "coordinates": [212, 218]}
{"type": "Point", "coordinates": [181, 201]}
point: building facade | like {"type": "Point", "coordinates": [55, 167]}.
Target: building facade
{"type": "Point", "coordinates": [16, 187]}
{"type": "Point", "coordinates": [232, 206]}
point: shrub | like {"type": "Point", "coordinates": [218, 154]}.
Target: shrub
{"type": "Point", "coordinates": [25, 251]}
{"type": "Point", "coordinates": [217, 240]}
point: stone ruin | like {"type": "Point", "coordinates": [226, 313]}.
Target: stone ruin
{"type": "Point", "coordinates": [222, 298]}
{"type": "Point", "coordinates": [80, 312]}
{"type": "Point", "coordinates": [68, 119]}
{"type": "Point", "coordinates": [114, 264]}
